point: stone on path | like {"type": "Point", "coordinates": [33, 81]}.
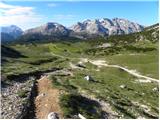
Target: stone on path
{"type": "Point", "coordinates": [53, 115]}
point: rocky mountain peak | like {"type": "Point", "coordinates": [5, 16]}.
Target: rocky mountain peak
{"type": "Point", "coordinates": [107, 26]}
{"type": "Point", "coordinates": [12, 30]}
{"type": "Point", "coordinates": [49, 28]}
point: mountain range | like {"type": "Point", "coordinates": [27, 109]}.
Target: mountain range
{"type": "Point", "coordinates": [85, 29]}
{"type": "Point", "coordinates": [10, 33]}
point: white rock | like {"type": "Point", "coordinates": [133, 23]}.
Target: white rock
{"type": "Point", "coordinates": [87, 77]}
{"type": "Point", "coordinates": [9, 108]}
{"type": "Point", "coordinates": [53, 115]}
{"type": "Point", "coordinates": [122, 86]}
{"type": "Point", "coordinates": [155, 89]}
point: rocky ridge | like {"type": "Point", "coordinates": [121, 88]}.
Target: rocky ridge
{"type": "Point", "coordinates": [105, 27]}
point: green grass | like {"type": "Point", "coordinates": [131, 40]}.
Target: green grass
{"type": "Point", "coordinates": [107, 88]}
{"type": "Point", "coordinates": [144, 63]}
{"type": "Point", "coordinates": [38, 58]}
{"type": "Point", "coordinates": [73, 104]}
{"type": "Point", "coordinates": [141, 56]}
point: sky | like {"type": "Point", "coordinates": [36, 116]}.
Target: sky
{"type": "Point", "coordinates": [31, 13]}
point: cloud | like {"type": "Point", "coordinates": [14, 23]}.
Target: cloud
{"type": "Point", "coordinates": [6, 6]}
{"type": "Point", "coordinates": [18, 15]}
{"type": "Point", "coordinates": [20, 11]}
{"type": "Point", "coordinates": [52, 5]}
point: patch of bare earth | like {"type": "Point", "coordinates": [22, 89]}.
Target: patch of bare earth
{"type": "Point", "coordinates": [47, 100]}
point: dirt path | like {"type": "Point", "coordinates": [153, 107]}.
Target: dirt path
{"type": "Point", "coordinates": [47, 99]}
{"type": "Point", "coordinates": [103, 63]}
{"type": "Point", "coordinates": [132, 72]}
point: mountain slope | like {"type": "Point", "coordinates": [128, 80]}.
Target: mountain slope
{"type": "Point", "coordinates": [82, 30]}
{"type": "Point", "coordinates": [8, 52]}
{"type": "Point", "coordinates": [50, 28]}
{"type": "Point", "coordinates": [10, 33]}
{"type": "Point", "coordinates": [88, 29]}
{"type": "Point", "coordinates": [105, 27]}
{"type": "Point", "coordinates": [149, 34]}
{"type": "Point", "coordinates": [5, 37]}
{"type": "Point", "coordinates": [12, 30]}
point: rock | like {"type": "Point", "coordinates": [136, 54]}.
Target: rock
{"type": "Point", "coordinates": [155, 89]}
{"type": "Point", "coordinates": [105, 45]}
{"type": "Point", "coordinates": [86, 77]}
{"type": "Point", "coordinates": [80, 116]}
{"type": "Point", "coordinates": [140, 117]}
{"type": "Point", "coordinates": [122, 86]}
{"type": "Point", "coordinates": [89, 78]}
{"type": "Point", "coordinates": [81, 65]}
{"type": "Point", "coordinates": [11, 105]}
{"type": "Point", "coordinates": [53, 115]}
{"type": "Point", "coordinates": [9, 108]}
{"type": "Point", "coordinates": [41, 95]}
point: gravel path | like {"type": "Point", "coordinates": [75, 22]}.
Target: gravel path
{"type": "Point", "coordinates": [132, 72]}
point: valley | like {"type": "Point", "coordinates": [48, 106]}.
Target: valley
{"type": "Point", "coordinates": [116, 77]}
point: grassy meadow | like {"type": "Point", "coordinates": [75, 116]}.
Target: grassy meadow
{"type": "Point", "coordinates": [126, 95]}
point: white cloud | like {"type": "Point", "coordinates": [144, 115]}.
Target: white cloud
{"type": "Point", "coordinates": [18, 15]}
{"type": "Point", "coordinates": [52, 5]}
{"type": "Point", "coordinates": [6, 6]}
{"type": "Point", "coordinates": [20, 11]}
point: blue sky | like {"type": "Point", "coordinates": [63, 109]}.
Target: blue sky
{"type": "Point", "coordinates": [28, 14]}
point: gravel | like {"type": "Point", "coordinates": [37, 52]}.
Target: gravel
{"type": "Point", "coordinates": [12, 105]}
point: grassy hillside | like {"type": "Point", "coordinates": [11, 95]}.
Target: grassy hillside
{"type": "Point", "coordinates": [129, 97]}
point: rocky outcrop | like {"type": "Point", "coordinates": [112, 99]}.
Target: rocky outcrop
{"type": "Point", "coordinates": [105, 27]}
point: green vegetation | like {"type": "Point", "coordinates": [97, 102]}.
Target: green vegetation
{"type": "Point", "coordinates": [37, 58]}
{"type": "Point", "coordinates": [124, 92]}
{"type": "Point", "coordinates": [22, 93]}
{"type": "Point", "coordinates": [73, 104]}
{"type": "Point", "coordinates": [107, 87]}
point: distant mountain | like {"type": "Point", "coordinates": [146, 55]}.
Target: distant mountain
{"type": "Point", "coordinates": [149, 34]}
{"type": "Point", "coordinates": [5, 37]}
{"type": "Point", "coordinates": [48, 32]}
{"type": "Point", "coordinates": [82, 30]}
{"type": "Point", "coordinates": [50, 28]}
{"type": "Point", "coordinates": [106, 27]}
{"type": "Point", "coordinates": [12, 30]}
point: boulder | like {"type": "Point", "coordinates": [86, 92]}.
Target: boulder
{"type": "Point", "coordinates": [53, 115]}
